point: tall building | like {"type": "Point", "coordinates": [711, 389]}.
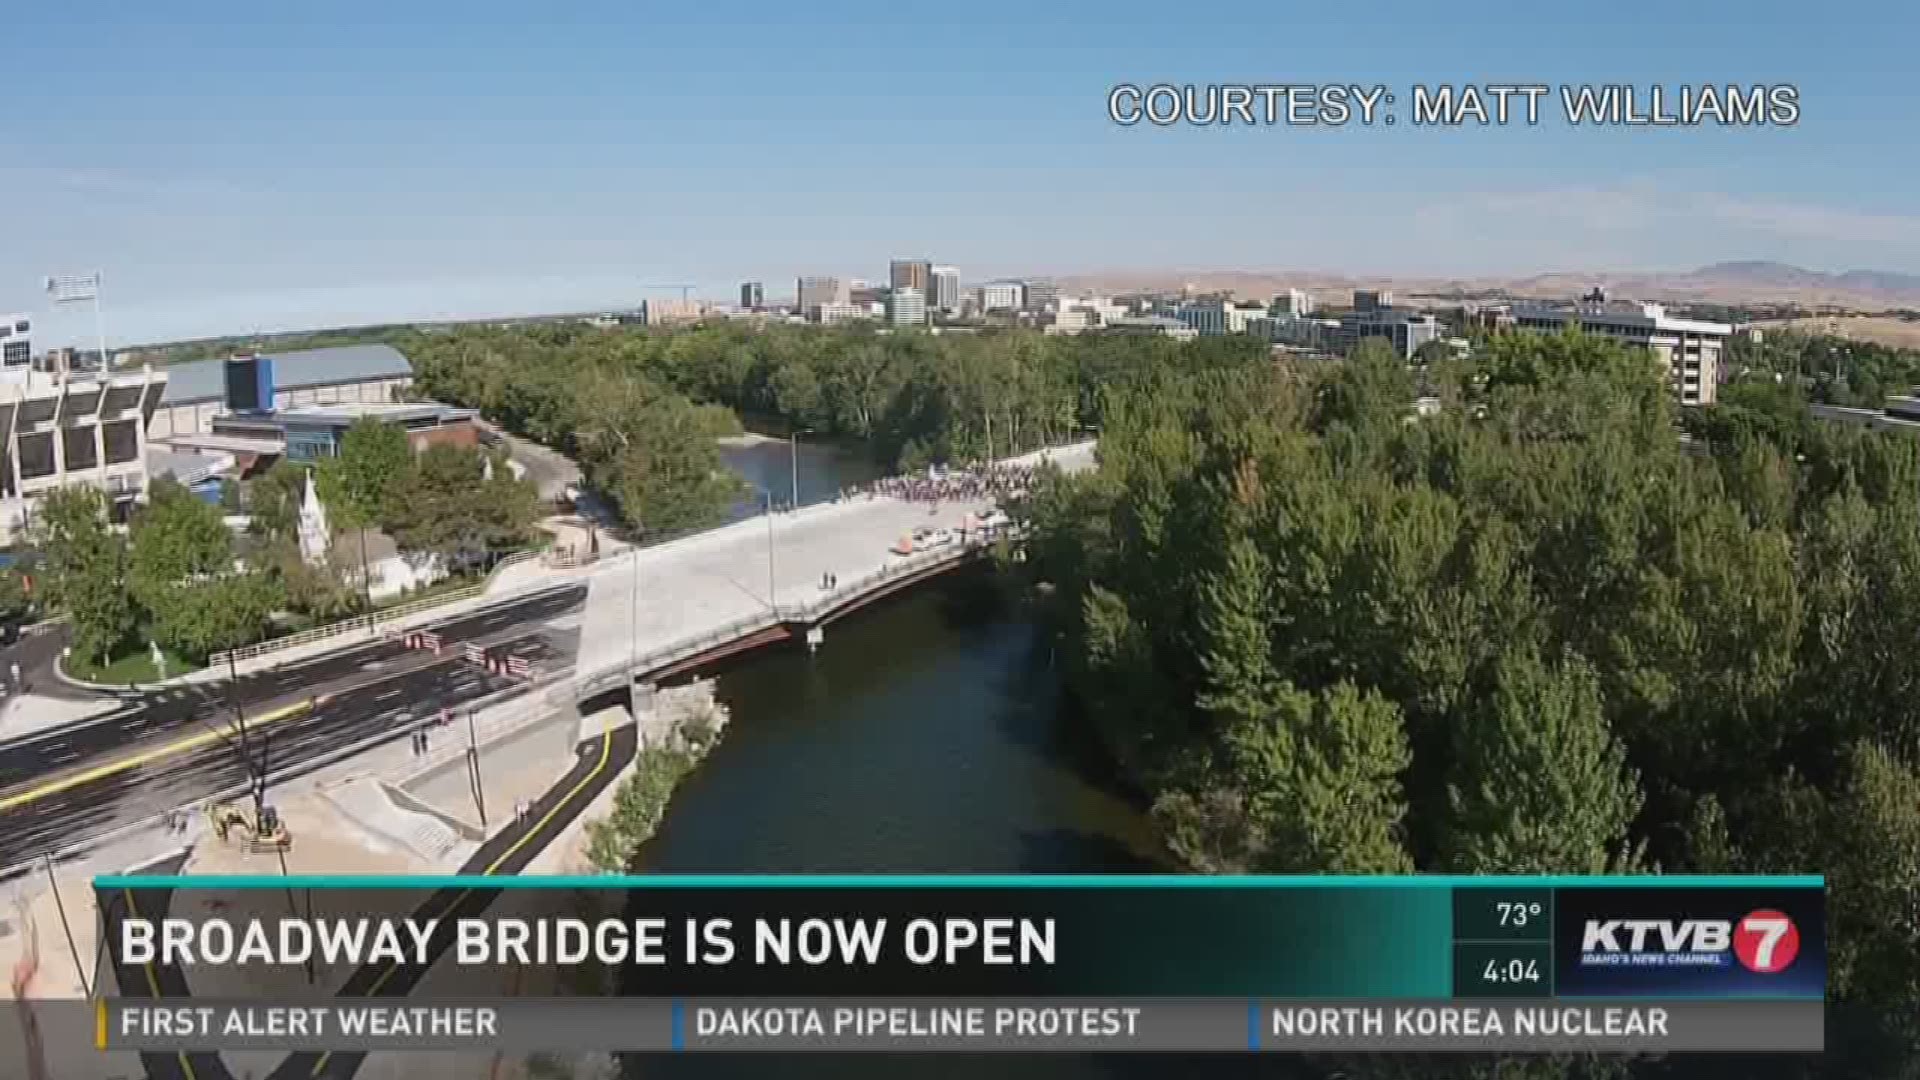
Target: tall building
{"type": "Point", "coordinates": [1371, 299]}
{"type": "Point", "coordinates": [813, 292]}
{"type": "Point", "coordinates": [16, 342]}
{"type": "Point", "coordinates": [1002, 296]}
{"type": "Point", "coordinates": [1689, 349]}
{"type": "Point", "coordinates": [753, 295]}
{"type": "Point", "coordinates": [906, 306]}
{"type": "Point", "coordinates": [1297, 303]}
{"type": "Point", "coordinates": [945, 292]}
{"type": "Point", "coordinates": [914, 274]}
{"type": "Point", "coordinates": [61, 430]}
{"type": "Point", "coordinates": [1040, 294]}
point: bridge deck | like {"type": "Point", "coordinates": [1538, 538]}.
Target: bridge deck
{"type": "Point", "coordinates": [715, 579]}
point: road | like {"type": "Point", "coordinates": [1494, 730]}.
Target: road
{"type": "Point", "coordinates": [183, 710]}
{"type": "Point", "coordinates": [138, 772]}
{"type": "Point", "coordinates": [597, 763]}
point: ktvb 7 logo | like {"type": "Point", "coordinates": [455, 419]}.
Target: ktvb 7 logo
{"type": "Point", "coordinates": [1765, 942]}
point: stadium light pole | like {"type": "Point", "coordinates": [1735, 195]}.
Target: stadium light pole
{"type": "Point", "coordinates": [80, 288]}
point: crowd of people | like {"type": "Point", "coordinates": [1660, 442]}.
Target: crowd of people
{"type": "Point", "coordinates": [997, 482]}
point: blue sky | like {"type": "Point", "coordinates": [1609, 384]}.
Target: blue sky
{"type": "Point", "coordinates": [239, 167]}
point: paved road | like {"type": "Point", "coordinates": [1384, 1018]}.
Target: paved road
{"type": "Point", "coordinates": [52, 813]}
{"type": "Point", "coordinates": [597, 763]}
{"type": "Point", "coordinates": [185, 710]}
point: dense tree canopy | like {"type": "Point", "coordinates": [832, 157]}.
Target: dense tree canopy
{"type": "Point", "coordinates": [1535, 632]}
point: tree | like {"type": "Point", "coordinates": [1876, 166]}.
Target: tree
{"type": "Point", "coordinates": [638, 808]}
{"type": "Point", "coordinates": [1539, 785]}
{"type": "Point", "coordinates": [357, 484]}
{"type": "Point", "coordinates": [273, 501]}
{"type": "Point", "coordinates": [176, 539]}
{"type": "Point", "coordinates": [15, 600]}
{"type": "Point", "coordinates": [84, 563]}
{"type": "Point", "coordinates": [442, 505]}
{"type": "Point", "coordinates": [217, 615]}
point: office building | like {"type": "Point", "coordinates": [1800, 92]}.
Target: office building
{"type": "Point", "coordinates": [1153, 325]}
{"type": "Point", "coordinates": [1072, 320]}
{"type": "Point", "coordinates": [811, 293]}
{"type": "Point", "coordinates": [945, 293]}
{"type": "Point", "coordinates": [1374, 315]}
{"type": "Point", "coordinates": [753, 296]}
{"type": "Point", "coordinates": [1218, 316]}
{"type": "Point", "coordinates": [672, 312]}
{"type": "Point", "coordinates": [310, 433]}
{"type": "Point", "coordinates": [1002, 296]}
{"type": "Point", "coordinates": [1689, 349]}
{"type": "Point", "coordinates": [1297, 303]}
{"type": "Point", "coordinates": [62, 429]}
{"type": "Point", "coordinates": [1371, 300]}
{"type": "Point", "coordinates": [840, 311]}
{"type": "Point", "coordinates": [1039, 294]}
{"type": "Point", "coordinates": [906, 307]}
{"type": "Point", "coordinates": [916, 274]}
{"type": "Point", "coordinates": [196, 393]}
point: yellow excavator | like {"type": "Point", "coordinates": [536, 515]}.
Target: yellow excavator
{"type": "Point", "coordinates": [267, 833]}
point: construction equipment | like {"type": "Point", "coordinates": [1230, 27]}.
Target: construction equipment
{"type": "Point", "coordinates": [263, 836]}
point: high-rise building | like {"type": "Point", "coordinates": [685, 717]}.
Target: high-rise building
{"type": "Point", "coordinates": [945, 292]}
{"type": "Point", "coordinates": [814, 292]}
{"type": "Point", "coordinates": [906, 306]}
{"type": "Point", "coordinates": [1041, 294]}
{"type": "Point", "coordinates": [1002, 296]}
{"type": "Point", "coordinates": [916, 274]}
{"type": "Point", "coordinates": [1297, 303]}
{"type": "Point", "coordinates": [753, 295]}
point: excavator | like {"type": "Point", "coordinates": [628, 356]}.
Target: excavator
{"type": "Point", "coordinates": [267, 834]}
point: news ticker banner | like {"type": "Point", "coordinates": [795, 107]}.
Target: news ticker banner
{"type": "Point", "coordinates": [1617, 963]}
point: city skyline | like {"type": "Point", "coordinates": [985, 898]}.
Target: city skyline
{"type": "Point", "coordinates": [237, 170]}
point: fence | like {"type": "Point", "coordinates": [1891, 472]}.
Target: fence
{"type": "Point", "coordinates": [371, 618]}
{"type": "Point", "coordinates": [617, 673]}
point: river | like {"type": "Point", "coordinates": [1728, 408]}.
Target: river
{"type": "Point", "coordinates": [928, 735]}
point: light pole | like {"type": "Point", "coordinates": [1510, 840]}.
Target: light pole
{"type": "Point", "coordinates": [770, 602]}
{"type": "Point", "coordinates": [76, 288]}
{"type": "Point", "coordinates": [793, 458]}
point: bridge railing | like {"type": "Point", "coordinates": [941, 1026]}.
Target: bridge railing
{"type": "Point", "coordinates": [617, 672]}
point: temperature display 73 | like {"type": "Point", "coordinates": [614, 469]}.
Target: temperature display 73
{"type": "Point", "coordinates": [1502, 941]}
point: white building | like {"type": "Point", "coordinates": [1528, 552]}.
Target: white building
{"type": "Point", "coordinates": [1218, 316]}
{"type": "Point", "coordinates": [906, 306]}
{"type": "Point", "coordinates": [1297, 303]}
{"type": "Point", "coordinates": [1072, 320]}
{"type": "Point", "coordinates": [1690, 349]}
{"type": "Point", "coordinates": [65, 429]}
{"type": "Point", "coordinates": [944, 294]}
{"type": "Point", "coordinates": [837, 311]}
{"type": "Point", "coordinates": [1002, 295]}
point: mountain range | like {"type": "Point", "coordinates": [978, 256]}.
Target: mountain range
{"type": "Point", "coordinates": [1744, 282]}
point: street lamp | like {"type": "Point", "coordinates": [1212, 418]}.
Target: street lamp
{"type": "Point", "coordinates": [79, 288]}
{"type": "Point", "coordinates": [793, 457]}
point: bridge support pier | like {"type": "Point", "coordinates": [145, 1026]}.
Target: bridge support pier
{"type": "Point", "coordinates": [815, 635]}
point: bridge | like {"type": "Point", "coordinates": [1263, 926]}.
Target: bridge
{"type": "Point", "coordinates": [669, 609]}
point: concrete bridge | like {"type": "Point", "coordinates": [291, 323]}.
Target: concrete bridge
{"type": "Point", "coordinates": [669, 609]}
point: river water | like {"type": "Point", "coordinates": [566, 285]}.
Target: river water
{"type": "Point", "coordinates": [927, 735]}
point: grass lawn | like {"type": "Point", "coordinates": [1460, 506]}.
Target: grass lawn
{"type": "Point", "coordinates": [134, 667]}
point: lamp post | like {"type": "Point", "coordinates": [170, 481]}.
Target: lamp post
{"type": "Point", "coordinates": [770, 602]}
{"type": "Point", "coordinates": [793, 458]}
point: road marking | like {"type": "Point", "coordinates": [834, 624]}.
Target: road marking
{"type": "Point", "coordinates": [153, 985]}
{"type": "Point", "coordinates": [134, 761]}
{"type": "Point", "coordinates": [606, 754]}
{"type": "Point", "coordinates": [394, 693]}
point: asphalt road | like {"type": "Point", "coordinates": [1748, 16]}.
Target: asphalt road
{"type": "Point", "coordinates": [185, 710]}
{"type": "Point", "coordinates": [389, 705]}
{"type": "Point", "coordinates": [597, 763]}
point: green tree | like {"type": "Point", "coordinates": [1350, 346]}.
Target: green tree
{"type": "Point", "coordinates": [84, 564]}
{"type": "Point", "coordinates": [638, 808]}
{"type": "Point", "coordinates": [442, 505]}
{"type": "Point", "coordinates": [1540, 786]}
{"type": "Point", "coordinates": [15, 601]}
{"type": "Point", "coordinates": [356, 486]}
{"type": "Point", "coordinates": [176, 538]}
